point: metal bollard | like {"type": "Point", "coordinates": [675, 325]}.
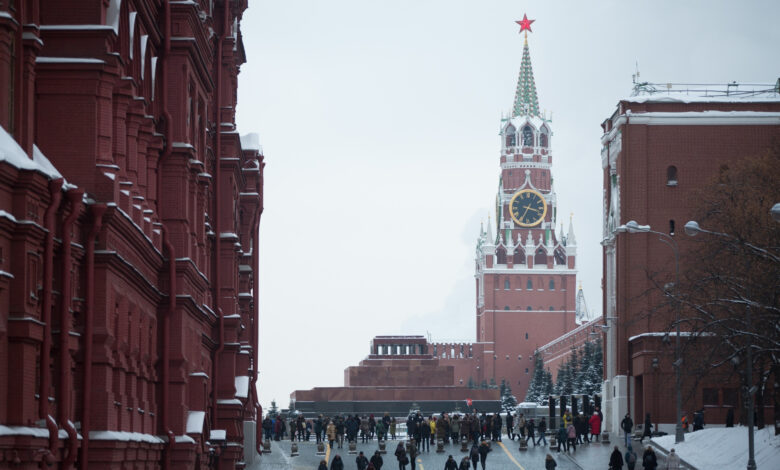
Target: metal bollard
{"type": "Point", "coordinates": [382, 447]}
{"type": "Point", "coordinates": [553, 441]}
{"type": "Point", "coordinates": [266, 446]}
{"type": "Point", "coordinates": [439, 446]}
{"type": "Point", "coordinates": [464, 444]}
{"type": "Point", "coordinates": [293, 449]}
{"type": "Point", "coordinates": [605, 437]}
{"type": "Point", "coordinates": [320, 448]}
{"type": "Point", "coordinates": [524, 444]}
{"type": "Point", "coordinates": [352, 447]}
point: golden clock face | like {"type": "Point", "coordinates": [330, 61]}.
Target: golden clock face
{"type": "Point", "coordinates": [528, 208]}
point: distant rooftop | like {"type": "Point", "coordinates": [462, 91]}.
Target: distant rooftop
{"type": "Point", "coordinates": [703, 92]}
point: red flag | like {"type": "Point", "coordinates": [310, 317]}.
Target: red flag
{"type": "Point", "coordinates": [468, 401]}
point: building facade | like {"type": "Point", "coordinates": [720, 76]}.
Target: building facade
{"type": "Point", "coordinates": [659, 149]}
{"type": "Point", "coordinates": [129, 214]}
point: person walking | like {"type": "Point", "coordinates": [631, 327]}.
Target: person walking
{"type": "Point", "coordinates": [425, 436]}
{"type": "Point", "coordinates": [450, 464]}
{"type": "Point", "coordinates": [510, 426]}
{"type": "Point", "coordinates": [616, 460]}
{"type": "Point", "coordinates": [412, 449]}
{"type": "Point", "coordinates": [474, 456]}
{"type": "Point", "coordinates": [562, 436]}
{"type": "Point", "coordinates": [530, 428]}
{"type": "Point", "coordinates": [550, 463]}
{"type": "Point", "coordinates": [698, 420]}
{"type": "Point", "coordinates": [630, 458]}
{"type": "Point", "coordinates": [465, 463]}
{"type": "Point", "coordinates": [484, 449]}
{"type": "Point", "coordinates": [649, 460]}
{"type": "Point", "coordinates": [571, 437]}
{"type": "Point", "coordinates": [521, 425]}
{"type": "Point", "coordinates": [331, 433]}
{"type": "Point", "coordinates": [361, 461]}
{"type": "Point", "coordinates": [337, 463]}
{"type": "Point", "coordinates": [542, 430]}
{"type": "Point", "coordinates": [380, 430]}
{"type": "Point", "coordinates": [647, 432]}
{"type": "Point", "coordinates": [392, 428]}
{"type": "Point", "coordinates": [323, 465]}
{"type": "Point", "coordinates": [673, 461]}
{"type": "Point", "coordinates": [376, 460]}
{"type": "Point", "coordinates": [400, 454]}
{"type": "Point", "coordinates": [627, 425]}
{"type": "Point", "coordinates": [595, 426]}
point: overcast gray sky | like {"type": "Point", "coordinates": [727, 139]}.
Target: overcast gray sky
{"type": "Point", "coordinates": [379, 123]}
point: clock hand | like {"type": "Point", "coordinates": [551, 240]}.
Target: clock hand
{"type": "Point", "coordinates": [529, 207]}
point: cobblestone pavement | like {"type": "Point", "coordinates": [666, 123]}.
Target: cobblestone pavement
{"type": "Point", "coordinates": [505, 456]}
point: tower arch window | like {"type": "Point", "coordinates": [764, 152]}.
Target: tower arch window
{"type": "Point", "coordinates": [552, 284]}
{"type": "Point", "coordinates": [501, 256]}
{"type": "Point", "coordinates": [506, 307]}
{"type": "Point", "coordinates": [506, 284]}
{"type": "Point", "coordinates": [541, 256]}
{"type": "Point", "coordinates": [528, 136]}
{"type": "Point", "coordinates": [552, 308]}
{"type": "Point", "coordinates": [519, 256]}
{"type": "Point", "coordinates": [529, 286]}
{"type": "Point", "coordinates": [529, 308]}
{"type": "Point", "coordinates": [543, 142]}
{"type": "Point", "coordinates": [671, 176]}
{"type": "Point", "coordinates": [511, 137]}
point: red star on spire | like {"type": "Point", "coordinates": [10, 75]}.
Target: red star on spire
{"type": "Point", "coordinates": [525, 23]}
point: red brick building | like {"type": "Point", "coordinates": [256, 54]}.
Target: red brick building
{"type": "Point", "coordinates": [659, 148]}
{"type": "Point", "coordinates": [129, 213]}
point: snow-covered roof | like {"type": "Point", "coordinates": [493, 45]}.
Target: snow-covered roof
{"type": "Point", "coordinates": [124, 436]}
{"type": "Point", "coordinates": [519, 121]}
{"type": "Point", "coordinates": [251, 141]}
{"type": "Point", "coordinates": [218, 435]}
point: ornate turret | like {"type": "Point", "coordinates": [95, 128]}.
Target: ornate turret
{"type": "Point", "coordinates": [526, 101]}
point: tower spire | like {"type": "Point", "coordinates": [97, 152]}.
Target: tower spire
{"type": "Point", "coordinates": [526, 101]}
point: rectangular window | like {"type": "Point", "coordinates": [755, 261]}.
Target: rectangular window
{"type": "Point", "coordinates": [730, 397]}
{"type": "Point", "coordinates": [709, 397]}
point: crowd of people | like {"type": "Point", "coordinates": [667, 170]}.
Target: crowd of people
{"type": "Point", "coordinates": [475, 429]}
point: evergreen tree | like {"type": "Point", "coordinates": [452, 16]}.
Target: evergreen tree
{"type": "Point", "coordinates": [508, 401]}
{"type": "Point", "coordinates": [492, 383]}
{"type": "Point", "coordinates": [484, 384]}
{"type": "Point", "coordinates": [472, 383]}
{"type": "Point", "coordinates": [537, 387]}
{"type": "Point", "coordinates": [548, 383]}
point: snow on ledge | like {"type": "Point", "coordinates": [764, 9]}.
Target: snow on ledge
{"type": "Point", "coordinates": [218, 435]}
{"type": "Point", "coordinates": [195, 422]}
{"type": "Point", "coordinates": [124, 436]}
{"type": "Point", "coordinates": [251, 141]}
{"type": "Point", "coordinates": [30, 431]}
{"type": "Point", "coordinates": [242, 386]}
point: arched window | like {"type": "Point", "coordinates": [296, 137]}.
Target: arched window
{"type": "Point", "coordinates": [528, 136]}
{"type": "Point", "coordinates": [671, 176]}
{"type": "Point", "coordinates": [519, 256]}
{"type": "Point", "coordinates": [541, 256]}
{"type": "Point", "coordinates": [551, 308]}
{"type": "Point", "coordinates": [552, 284]}
{"type": "Point", "coordinates": [530, 286]}
{"type": "Point", "coordinates": [506, 308]}
{"type": "Point", "coordinates": [543, 139]}
{"type": "Point", "coordinates": [506, 284]}
{"type": "Point", "coordinates": [501, 256]}
{"type": "Point", "coordinates": [510, 136]}
{"type": "Point", "coordinates": [560, 256]}
{"type": "Point", "coordinates": [529, 309]}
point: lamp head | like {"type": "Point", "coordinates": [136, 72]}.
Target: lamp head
{"type": "Point", "coordinates": [692, 228]}
{"type": "Point", "coordinates": [775, 211]}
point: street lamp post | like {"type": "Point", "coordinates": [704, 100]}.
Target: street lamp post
{"type": "Point", "coordinates": [692, 229]}
{"type": "Point", "coordinates": [633, 227]}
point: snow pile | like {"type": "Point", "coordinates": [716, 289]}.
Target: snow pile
{"type": "Point", "coordinates": [725, 448]}
{"type": "Point", "coordinates": [251, 141]}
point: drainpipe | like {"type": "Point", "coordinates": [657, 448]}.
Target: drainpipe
{"type": "Point", "coordinates": [63, 408]}
{"type": "Point", "coordinates": [217, 201]}
{"type": "Point", "coordinates": [255, 323]}
{"type": "Point", "coordinates": [73, 445]}
{"type": "Point", "coordinates": [89, 313]}
{"type": "Point", "coordinates": [166, 355]}
{"type": "Point", "coordinates": [55, 193]}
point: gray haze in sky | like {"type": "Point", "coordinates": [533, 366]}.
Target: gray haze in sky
{"type": "Point", "coordinates": [379, 122]}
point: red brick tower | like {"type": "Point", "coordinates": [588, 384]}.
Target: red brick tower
{"type": "Point", "coordinates": [526, 277]}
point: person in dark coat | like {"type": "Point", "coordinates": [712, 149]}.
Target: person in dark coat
{"type": "Point", "coordinates": [337, 463]}
{"type": "Point", "coordinates": [425, 435]}
{"type": "Point", "coordinates": [474, 456]}
{"type": "Point", "coordinates": [323, 465]}
{"type": "Point", "coordinates": [400, 454]}
{"type": "Point", "coordinates": [530, 426]}
{"type": "Point", "coordinates": [649, 460]}
{"type": "Point", "coordinates": [510, 426]}
{"type": "Point", "coordinates": [616, 460]}
{"type": "Point", "coordinates": [376, 460]}
{"type": "Point", "coordinates": [361, 461]}
{"type": "Point", "coordinates": [465, 463]}
{"type": "Point", "coordinates": [562, 438]}
{"type": "Point", "coordinates": [550, 463]}
{"type": "Point", "coordinates": [630, 458]}
{"type": "Point", "coordinates": [542, 428]}
{"type": "Point", "coordinates": [730, 418]}
{"type": "Point", "coordinates": [450, 464]}
{"type": "Point", "coordinates": [627, 425]}
{"type": "Point", "coordinates": [698, 420]}
{"type": "Point", "coordinates": [484, 449]}
{"type": "Point", "coordinates": [647, 432]}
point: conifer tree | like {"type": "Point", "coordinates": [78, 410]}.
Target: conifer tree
{"type": "Point", "coordinates": [508, 401]}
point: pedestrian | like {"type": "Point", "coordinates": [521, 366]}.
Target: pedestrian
{"type": "Point", "coordinates": [571, 435]}
{"type": "Point", "coordinates": [371, 427]}
{"type": "Point", "coordinates": [649, 460]}
{"type": "Point", "coordinates": [730, 418]}
{"type": "Point", "coordinates": [400, 454]}
{"type": "Point", "coordinates": [510, 426]}
{"type": "Point", "coordinates": [698, 420]}
{"type": "Point", "coordinates": [630, 458]}
{"type": "Point", "coordinates": [595, 426]}
{"type": "Point", "coordinates": [465, 463]}
{"type": "Point", "coordinates": [616, 460]}
{"type": "Point", "coordinates": [542, 428]}
{"type": "Point", "coordinates": [474, 455]}
{"type": "Point", "coordinates": [361, 461]}
{"type": "Point", "coordinates": [521, 425]}
{"type": "Point", "coordinates": [392, 428]}
{"type": "Point", "coordinates": [331, 433]}
{"type": "Point", "coordinates": [673, 461]}
{"type": "Point", "coordinates": [530, 428]}
{"type": "Point", "coordinates": [647, 432]}
{"type": "Point", "coordinates": [684, 421]}
{"type": "Point", "coordinates": [376, 460]}
{"type": "Point", "coordinates": [337, 463]}
{"type": "Point", "coordinates": [412, 449]}
{"type": "Point", "coordinates": [380, 430]}
{"type": "Point", "coordinates": [484, 449]}
{"type": "Point", "coordinates": [550, 463]}
{"type": "Point", "coordinates": [562, 436]}
{"type": "Point", "coordinates": [323, 465]}
{"type": "Point", "coordinates": [627, 425]}
{"type": "Point", "coordinates": [450, 464]}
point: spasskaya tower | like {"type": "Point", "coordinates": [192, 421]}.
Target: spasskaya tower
{"type": "Point", "coordinates": [525, 272]}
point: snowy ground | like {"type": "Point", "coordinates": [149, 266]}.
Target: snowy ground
{"type": "Point", "coordinates": [725, 448]}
